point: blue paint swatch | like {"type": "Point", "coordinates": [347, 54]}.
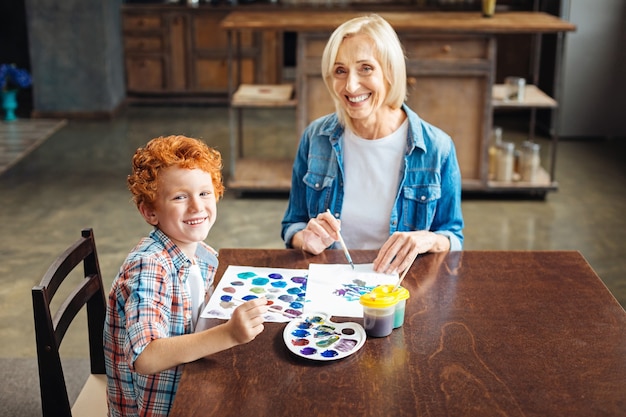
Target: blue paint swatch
{"type": "Point", "coordinates": [300, 333]}
{"type": "Point", "coordinates": [329, 353]}
{"type": "Point", "coordinates": [260, 281]}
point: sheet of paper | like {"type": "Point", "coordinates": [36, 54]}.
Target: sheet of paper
{"type": "Point", "coordinates": [285, 289]}
{"type": "Point", "coordinates": [335, 289]}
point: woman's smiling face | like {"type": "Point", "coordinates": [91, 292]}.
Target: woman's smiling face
{"type": "Point", "coordinates": [358, 78]}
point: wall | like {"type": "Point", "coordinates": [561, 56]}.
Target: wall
{"type": "Point", "coordinates": [593, 95]}
{"type": "Point", "coordinates": [76, 57]}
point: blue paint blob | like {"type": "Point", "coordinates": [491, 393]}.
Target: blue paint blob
{"type": "Point", "coordinates": [275, 276]}
{"type": "Point", "coordinates": [299, 280]}
{"type": "Point", "coordinates": [293, 291]}
{"type": "Point", "coordinates": [300, 333]}
{"type": "Point", "coordinates": [279, 284]}
{"type": "Point", "coordinates": [296, 305]}
{"type": "Point", "coordinates": [329, 353]}
{"type": "Point", "coordinates": [226, 298]}
{"type": "Point", "coordinates": [305, 325]}
{"type": "Point", "coordinates": [246, 275]}
{"type": "Point", "coordinates": [308, 351]}
{"type": "Point", "coordinates": [260, 281]}
{"type": "Point", "coordinates": [286, 298]}
{"type": "Point", "coordinates": [237, 283]}
{"type": "Point", "coordinates": [249, 297]}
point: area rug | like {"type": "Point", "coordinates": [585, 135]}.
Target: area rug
{"type": "Point", "coordinates": [20, 137]}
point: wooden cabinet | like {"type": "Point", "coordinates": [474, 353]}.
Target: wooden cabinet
{"type": "Point", "coordinates": [175, 51]}
{"type": "Point", "coordinates": [449, 79]}
{"type": "Point", "coordinates": [155, 51]}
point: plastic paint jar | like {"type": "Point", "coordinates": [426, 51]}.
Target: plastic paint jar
{"type": "Point", "coordinates": [401, 295]}
{"type": "Point", "coordinates": [378, 313]}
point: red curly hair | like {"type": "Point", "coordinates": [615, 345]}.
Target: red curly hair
{"type": "Point", "coordinates": [164, 152]}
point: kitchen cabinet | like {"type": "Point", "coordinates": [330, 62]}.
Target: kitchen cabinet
{"type": "Point", "coordinates": [177, 52]}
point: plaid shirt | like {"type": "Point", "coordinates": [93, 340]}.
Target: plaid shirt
{"type": "Point", "coordinates": [148, 301]}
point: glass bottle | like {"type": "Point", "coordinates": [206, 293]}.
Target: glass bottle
{"type": "Point", "coordinates": [504, 165]}
{"type": "Point", "coordinates": [530, 162]}
{"type": "Point", "coordinates": [496, 139]}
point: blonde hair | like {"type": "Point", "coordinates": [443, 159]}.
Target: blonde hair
{"type": "Point", "coordinates": [164, 152]}
{"type": "Point", "coordinates": [388, 50]}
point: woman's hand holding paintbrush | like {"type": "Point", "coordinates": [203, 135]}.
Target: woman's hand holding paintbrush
{"type": "Point", "coordinates": [319, 233]}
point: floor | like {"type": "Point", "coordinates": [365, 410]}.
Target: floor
{"type": "Point", "coordinates": [76, 179]}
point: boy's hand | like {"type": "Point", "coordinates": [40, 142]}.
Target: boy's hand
{"type": "Point", "coordinates": [247, 320]}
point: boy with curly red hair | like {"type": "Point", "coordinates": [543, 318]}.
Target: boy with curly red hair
{"type": "Point", "coordinates": [158, 293]}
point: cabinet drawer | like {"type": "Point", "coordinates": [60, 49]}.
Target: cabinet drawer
{"type": "Point", "coordinates": [143, 44]}
{"type": "Point", "coordinates": [446, 48]}
{"type": "Point", "coordinates": [139, 22]}
{"type": "Point", "coordinates": [145, 75]}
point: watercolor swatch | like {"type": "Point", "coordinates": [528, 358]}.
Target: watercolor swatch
{"type": "Point", "coordinates": [285, 290]}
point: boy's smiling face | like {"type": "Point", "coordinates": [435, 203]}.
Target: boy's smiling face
{"type": "Point", "coordinates": [185, 207]}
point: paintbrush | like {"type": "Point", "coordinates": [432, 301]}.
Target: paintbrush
{"type": "Point", "coordinates": [343, 245]}
{"type": "Point", "coordinates": [273, 308]}
{"type": "Point", "coordinates": [404, 274]}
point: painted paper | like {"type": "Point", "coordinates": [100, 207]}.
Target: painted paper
{"type": "Point", "coordinates": [336, 288]}
{"type": "Point", "coordinates": [285, 290]}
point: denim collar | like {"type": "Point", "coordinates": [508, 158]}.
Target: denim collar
{"type": "Point", "coordinates": [331, 128]}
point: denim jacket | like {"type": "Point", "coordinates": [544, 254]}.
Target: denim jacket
{"type": "Point", "coordinates": [429, 194]}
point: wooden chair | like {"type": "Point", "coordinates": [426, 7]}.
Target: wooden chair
{"type": "Point", "coordinates": [50, 330]}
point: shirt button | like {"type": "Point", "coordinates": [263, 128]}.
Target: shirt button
{"type": "Point", "coordinates": [317, 185]}
{"type": "Point", "coordinates": [423, 197]}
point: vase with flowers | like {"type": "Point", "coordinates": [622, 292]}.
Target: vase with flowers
{"type": "Point", "coordinates": [12, 79]}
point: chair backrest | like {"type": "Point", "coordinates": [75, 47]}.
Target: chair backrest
{"type": "Point", "coordinates": [50, 330]}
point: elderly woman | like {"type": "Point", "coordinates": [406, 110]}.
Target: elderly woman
{"type": "Point", "coordinates": [390, 180]}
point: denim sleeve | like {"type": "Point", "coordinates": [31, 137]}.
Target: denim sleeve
{"type": "Point", "coordinates": [296, 216]}
{"type": "Point", "coordinates": [448, 220]}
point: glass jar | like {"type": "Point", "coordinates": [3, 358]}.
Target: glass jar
{"type": "Point", "coordinates": [496, 139]}
{"type": "Point", "coordinates": [530, 162]}
{"type": "Point", "coordinates": [504, 166]}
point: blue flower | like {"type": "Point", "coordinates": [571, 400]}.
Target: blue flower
{"type": "Point", "coordinates": [12, 78]}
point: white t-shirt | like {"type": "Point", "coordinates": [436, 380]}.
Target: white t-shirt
{"type": "Point", "coordinates": [373, 169]}
{"type": "Point", "coordinates": [195, 288]}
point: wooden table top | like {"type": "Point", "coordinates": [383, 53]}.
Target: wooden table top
{"type": "Point", "coordinates": [427, 22]}
{"type": "Point", "coordinates": [502, 333]}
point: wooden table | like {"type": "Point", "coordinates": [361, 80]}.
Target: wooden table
{"type": "Point", "coordinates": [486, 333]}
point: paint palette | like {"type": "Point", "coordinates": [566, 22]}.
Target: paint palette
{"type": "Point", "coordinates": [316, 337]}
